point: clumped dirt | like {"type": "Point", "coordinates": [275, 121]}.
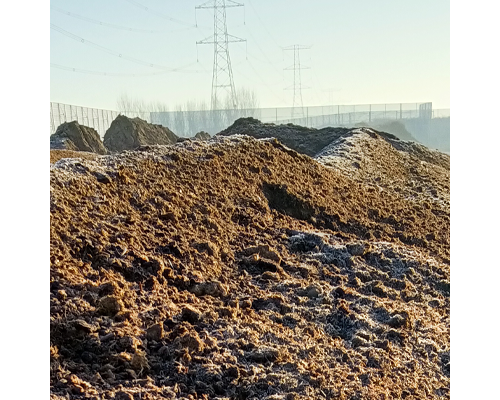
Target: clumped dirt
{"type": "Point", "coordinates": [404, 168]}
{"type": "Point", "coordinates": [56, 155]}
{"type": "Point", "coordinates": [302, 139]}
{"type": "Point", "coordinates": [305, 140]}
{"type": "Point", "coordinates": [130, 133]}
{"type": "Point", "coordinates": [240, 269]}
{"type": "Point", "coordinates": [75, 137]}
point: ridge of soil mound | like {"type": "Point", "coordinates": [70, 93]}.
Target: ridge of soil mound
{"type": "Point", "coordinates": [56, 155]}
{"type": "Point", "coordinates": [76, 137]}
{"type": "Point", "coordinates": [238, 268]}
{"type": "Point", "coordinates": [405, 168]}
{"type": "Point", "coordinates": [396, 128]}
{"type": "Point", "coordinates": [130, 133]}
{"type": "Point", "coordinates": [299, 138]}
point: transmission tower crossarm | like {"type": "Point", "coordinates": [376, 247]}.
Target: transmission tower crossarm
{"type": "Point", "coordinates": [214, 5]}
{"type": "Point", "coordinates": [211, 40]}
{"type": "Point", "coordinates": [294, 68]}
{"type": "Point", "coordinates": [297, 47]}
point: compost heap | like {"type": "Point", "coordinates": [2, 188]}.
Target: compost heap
{"type": "Point", "coordinates": [240, 269]}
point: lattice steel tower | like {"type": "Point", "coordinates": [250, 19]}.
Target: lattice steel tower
{"type": "Point", "coordinates": [297, 84]}
{"type": "Point", "coordinates": [222, 75]}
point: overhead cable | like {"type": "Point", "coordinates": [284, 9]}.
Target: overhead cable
{"type": "Point", "coordinates": [159, 14]}
{"type": "Point", "coordinates": [125, 28]}
{"type": "Point", "coordinates": [85, 71]}
{"type": "Point", "coordinates": [106, 50]}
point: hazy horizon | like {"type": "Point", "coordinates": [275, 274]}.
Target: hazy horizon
{"type": "Point", "coordinates": [361, 52]}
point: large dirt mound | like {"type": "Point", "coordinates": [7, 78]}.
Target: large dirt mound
{"type": "Point", "coordinates": [377, 158]}
{"type": "Point", "coordinates": [240, 269]}
{"type": "Point", "coordinates": [130, 133]}
{"type": "Point", "coordinates": [75, 137]}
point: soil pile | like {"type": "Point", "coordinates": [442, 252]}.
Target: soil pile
{"type": "Point", "coordinates": [304, 140]}
{"type": "Point", "coordinates": [202, 135]}
{"type": "Point", "coordinates": [130, 133]}
{"type": "Point", "coordinates": [76, 137]}
{"type": "Point", "coordinates": [240, 269]}
{"type": "Point", "coordinates": [405, 168]}
{"type": "Point", "coordinates": [377, 158]}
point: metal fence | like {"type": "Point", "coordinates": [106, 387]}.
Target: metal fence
{"type": "Point", "coordinates": [188, 123]}
{"type": "Point", "coordinates": [191, 122]}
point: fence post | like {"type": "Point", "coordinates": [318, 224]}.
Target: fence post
{"type": "Point", "coordinates": [52, 125]}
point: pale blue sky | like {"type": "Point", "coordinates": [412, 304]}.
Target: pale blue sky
{"type": "Point", "coordinates": [363, 51]}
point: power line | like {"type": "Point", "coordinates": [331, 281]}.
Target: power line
{"type": "Point", "coordinates": [262, 80]}
{"type": "Point", "coordinates": [265, 56]}
{"type": "Point", "coordinates": [85, 71]}
{"type": "Point", "coordinates": [271, 36]}
{"type": "Point", "coordinates": [106, 50]}
{"type": "Point", "coordinates": [125, 28]}
{"type": "Point", "coordinates": [159, 14]}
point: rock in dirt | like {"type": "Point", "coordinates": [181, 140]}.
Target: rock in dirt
{"type": "Point", "coordinates": [130, 133]}
{"type": "Point", "coordinates": [110, 305]}
{"type": "Point", "coordinates": [214, 288]}
{"type": "Point", "coordinates": [155, 332]}
{"type": "Point", "coordinates": [191, 315]}
{"type": "Point", "coordinates": [75, 137]}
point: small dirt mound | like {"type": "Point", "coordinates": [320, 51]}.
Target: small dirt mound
{"type": "Point", "coordinates": [304, 140]}
{"type": "Point", "coordinates": [76, 137]}
{"type": "Point", "coordinates": [202, 135]}
{"type": "Point", "coordinates": [130, 133]}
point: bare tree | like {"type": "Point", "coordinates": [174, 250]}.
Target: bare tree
{"type": "Point", "coordinates": [193, 116]}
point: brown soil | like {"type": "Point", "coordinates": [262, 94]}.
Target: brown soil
{"type": "Point", "coordinates": [240, 269]}
{"type": "Point", "coordinates": [130, 133]}
{"type": "Point", "coordinates": [56, 155]}
{"type": "Point", "coordinates": [403, 168]}
{"type": "Point", "coordinates": [299, 138]}
{"type": "Point", "coordinates": [73, 136]}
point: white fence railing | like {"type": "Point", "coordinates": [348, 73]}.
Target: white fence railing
{"type": "Point", "coordinates": [188, 123]}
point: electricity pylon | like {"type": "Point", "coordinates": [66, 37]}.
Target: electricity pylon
{"type": "Point", "coordinates": [222, 74]}
{"type": "Point", "coordinates": [297, 84]}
